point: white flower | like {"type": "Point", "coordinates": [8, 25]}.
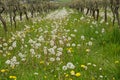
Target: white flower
{"type": "Point", "coordinates": [101, 76]}
{"type": "Point", "coordinates": [5, 44]}
{"type": "Point", "coordinates": [30, 41]}
{"type": "Point", "coordinates": [100, 69]}
{"type": "Point", "coordinates": [90, 43]}
{"type": "Point", "coordinates": [58, 14]}
{"type": "Point", "coordinates": [64, 68]}
{"type": "Point", "coordinates": [70, 65]}
{"type": "Point", "coordinates": [12, 62]}
{"type": "Point", "coordinates": [61, 42]}
{"type": "Point", "coordinates": [60, 49]}
{"type": "Point", "coordinates": [40, 29]}
{"type": "Point", "coordinates": [73, 44]}
{"type": "Point", "coordinates": [8, 62]}
{"type": "Point", "coordinates": [107, 23]}
{"type": "Point", "coordinates": [13, 38]}
{"type": "Point", "coordinates": [69, 38]}
{"type": "Point", "coordinates": [96, 32]}
{"type": "Point", "coordinates": [0, 45]}
{"type": "Point", "coordinates": [58, 58]}
{"type": "Point", "coordinates": [54, 47]}
{"type": "Point", "coordinates": [52, 43]}
{"type": "Point", "coordinates": [68, 30]}
{"type": "Point", "coordinates": [102, 21]}
{"type": "Point", "coordinates": [23, 59]}
{"type": "Point", "coordinates": [72, 35]}
{"type": "Point", "coordinates": [86, 67]}
{"type": "Point", "coordinates": [21, 55]}
{"type": "Point", "coordinates": [91, 38]}
{"type": "Point", "coordinates": [82, 18]}
{"type": "Point", "coordinates": [38, 56]}
{"type": "Point", "coordinates": [45, 50]}
{"type": "Point", "coordinates": [36, 73]}
{"type": "Point", "coordinates": [10, 48]}
{"type": "Point", "coordinates": [89, 64]}
{"type": "Point", "coordinates": [58, 53]}
{"type": "Point", "coordinates": [78, 45]}
{"type": "Point", "coordinates": [37, 45]}
{"type": "Point", "coordinates": [103, 30]}
{"type": "Point", "coordinates": [22, 40]}
{"type": "Point", "coordinates": [26, 45]}
{"type": "Point", "coordinates": [94, 22]}
{"type": "Point", "coordinates": [68, 44]}
{"type": "Point", "coordinates": [32, 51]}
{"type": "Point", "coordinates": [64, 37]}
{"type": "Point", "coordinates": [94, 65]}
{"type": "Point", "coordinates": [52, 59]}
{"type": "Point", "coordinates": [91, 26]}
{"type": "Point", "coordinates": [46, 31]}
{"type": "Point", "coordinates": [14, 44]}
{"type": "Point", "coordinates": [13, 59]}
{"type": "Point", "coordinates": [75, 30]}
{"type": "Point", "coordinates": [51, 50]}
{"type": "Point", "coordinates": [83, 37]}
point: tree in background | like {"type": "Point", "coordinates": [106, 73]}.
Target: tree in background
{"type": "Point", "coordinates": [2, 8]}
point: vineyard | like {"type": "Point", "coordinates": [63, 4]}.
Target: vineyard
{"type": "Point", "coordinates": [59, 40]}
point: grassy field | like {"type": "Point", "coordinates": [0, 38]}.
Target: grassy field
{"type": "Point", "coordinates": [63, 0]}
{"type": "Point", "coordinates": [73, 47]}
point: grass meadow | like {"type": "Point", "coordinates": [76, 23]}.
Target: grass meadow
{"type": "Point", "coordinates": [64, 46]}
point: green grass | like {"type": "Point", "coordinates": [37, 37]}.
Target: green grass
{"type": "Point", "coordinates": [63, 1]}
{"type": "Point", "coordinates": [103, 57]}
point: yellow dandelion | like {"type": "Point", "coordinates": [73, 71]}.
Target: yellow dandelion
{"type": "Point", "coordinates": [66, 75]}
{"type": "Point", "coordinates": [78, 74]}
{"type": "Point", "coordinates": [93, 78]}
{"type": "Point", "coordinates": [113, 78]}
{"type": "Point", "coordinates": [70, 79]}
{"type": "Point", "coordinates": [87, 50]}
{"type": "Point", "coordinates": [13, 77]}
{"type": "Point", "coordinates": [55, 76]}
{"type": "Point", "coordinates": [83, 66]}
{"type": "Point", "coordinates": [70, 50]}
{"type": "Point", "coordinates": [3, 70]}
{"type": "Point", "coordinates": [116, 62]}
{"type": "Point", "coordinates": [72, 72]}
{"type": "Point", "coordinates": [13, 67]}
{"type": "Point", "coordinates": [41, 62]}
{"type": "Point", "coordinates": [45, 77]}
{"type": "Point", "coordinates": [9, 54]}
